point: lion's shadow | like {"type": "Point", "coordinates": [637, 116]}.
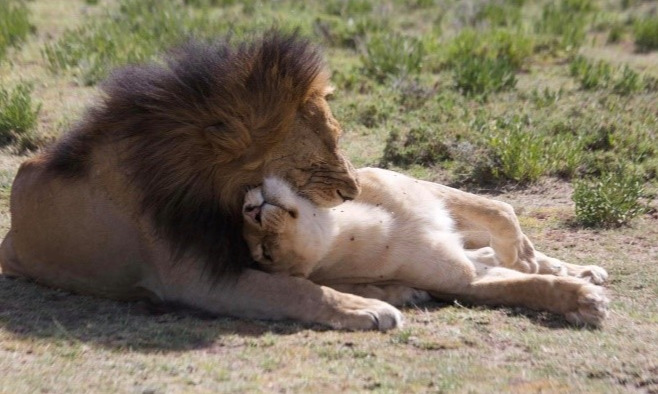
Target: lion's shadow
{"type": "Point", "coordinates": [30, 310]}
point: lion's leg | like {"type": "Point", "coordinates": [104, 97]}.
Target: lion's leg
{"type": "Point", "coordinates": [547, 265]}
{"type": "Point", "coordinates": [553, 266]}
{"type": "Point", "coordinates": [259, 295]}
{"type": "Point", "coordinates": [578, 300]}
{"type": "Point", "coordinates": [480, 219]}
{"type": "Point", "coordinates": [397, 295]}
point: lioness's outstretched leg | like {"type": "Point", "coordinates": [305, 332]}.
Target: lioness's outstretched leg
{"type": "Point", "coordinates": [580, 301]}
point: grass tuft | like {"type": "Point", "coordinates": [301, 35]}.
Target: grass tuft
{"type": "Point", "coordinates": [612, 200]}
{"type": "Point", "coordinates": [14, 24]}
{"type": "Point", "coordinates": [134, 32]}
{"type": "Point", "coordinates": [646, 34]}
{"type": "Point", "coordinates": [18, 117]}
{"type": "Point", "coordinates": [393, 55]}
{"type": "Point", "coordinates": [487, 63]}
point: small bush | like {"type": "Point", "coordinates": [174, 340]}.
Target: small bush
{"type": "Point", "coordinates": [646, 34]}
{"type": "Point", "coordinates": [487, 63]}
{"type": "Point", "coordinates": [611, 201]}
{"type": "Point", "coordinates": [393, 55]}
{"type": "Point", "coordinates": [628, 82]}
{"type": "Point", "coordinates": [347, 8]}
{"type": "Point", "coordinates": [600, 75]}
{"type": "Point", "coordinates": [519, 152]}
{"type": "Point", "coordinates": [591, 75]}
{"type": "Point", "coordinates": [565, 20]}
{"type": "Point", "coordinates": [14, 24]}
{"type": "Point", "coordinates": [421, 145]}
{"type": "Point", "coordinates": [135, 32]}
{"type": "Point", "coordinates": [18, 117]}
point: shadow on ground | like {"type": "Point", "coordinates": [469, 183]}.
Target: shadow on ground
{"type": "Point", "coordinates": [30, 310]}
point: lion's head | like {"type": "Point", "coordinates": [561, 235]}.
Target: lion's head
{"type": "Point", "coordinates": [195, 133]}
{"type": "Point", "coordinates": [285, 232]}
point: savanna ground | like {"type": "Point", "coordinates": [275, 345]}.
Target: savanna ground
{"type": "Point", "coordinates": [525, 101]}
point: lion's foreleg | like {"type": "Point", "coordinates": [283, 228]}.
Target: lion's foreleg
{"type": "Point", "coordinates": [256, 294]}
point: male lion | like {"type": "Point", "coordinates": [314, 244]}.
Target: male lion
{"type": "Point", "coordinates": [143, 198]}
{"type": "Point", "coordinates": [400, 234]}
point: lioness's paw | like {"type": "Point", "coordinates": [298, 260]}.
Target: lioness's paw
{"type": "Point", "coordinates": [592, 307]}
{"type": "Point", "coordinates": [594, 274]}
{"type": "Point", "coordinates": [370, 315]}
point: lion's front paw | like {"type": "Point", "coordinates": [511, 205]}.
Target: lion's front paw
{"type": "Point", "coordinates": [592, 307]}
{"type": "Point", "coordinates": [366, 314]}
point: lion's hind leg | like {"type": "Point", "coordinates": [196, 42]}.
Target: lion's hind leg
{"type": "Point", "coordinates": [553, 266]}
{"type": "Point", "coordinates": [578, 300]}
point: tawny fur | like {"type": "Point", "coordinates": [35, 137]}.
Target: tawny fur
{"type": "Point", "coordinates": [400, 232]}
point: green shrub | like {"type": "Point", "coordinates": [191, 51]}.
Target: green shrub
{"type": "Point", "coordinates": [135, 32]}
{"type": "Point", "coordinates": [393, 55]}
{"type": "Point", "coordinates": [628, 82]}
{"type": "Point", "coordinates": [423, 145]}
{"type": "Point", "coordinates": [487, 63]}
{"type": "Point", "coordinates": [500, 13]}
{"type": "Point", "coordinates": [566, 21]}
{"type": "Point", "coordinates": [600, 75]}
{"type": "Point", "coordinates": [519, 152]}
{"type": "Point", "coordinates": [347, 8]}
{"type": "Point", "coordinates": [646, 34]}
{"type": "Point", "coordinates": [14, 24]}
{"type": "Point", "coordinates": [18, 117]}
{"type": "Point", "coordinates": [610, 201]}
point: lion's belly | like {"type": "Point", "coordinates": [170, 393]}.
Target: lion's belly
{"type": "Point", "coordinates": [66, 234]}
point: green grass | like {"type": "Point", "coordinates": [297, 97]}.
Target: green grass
{"type": "Point", "coordinates": [18, 117]}
{"type": "Point", "coordinates": [646, 34]}
{"type": "Point", "coordinates": [14, 24]}
{"type": "Point", "coordinates": [612, 200]}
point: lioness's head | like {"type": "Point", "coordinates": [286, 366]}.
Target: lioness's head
{"type": "Point", "coordinates": [285, 232]}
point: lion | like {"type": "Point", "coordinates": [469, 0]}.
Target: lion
{"type": "Point", "coordinates": [403, 239]}
{"type": "Point", "coordinates": [143, 198]}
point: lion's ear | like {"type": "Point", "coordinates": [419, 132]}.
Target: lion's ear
{"type": "Point", "coordinates": [231, 140]}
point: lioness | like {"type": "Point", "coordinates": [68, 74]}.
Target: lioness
{"type": "Point", "coordinates": [401, 231]}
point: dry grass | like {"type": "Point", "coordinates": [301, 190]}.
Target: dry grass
{"type": "Point", "coordinates": [53, 341]}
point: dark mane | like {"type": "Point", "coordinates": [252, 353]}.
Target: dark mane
{"type": "Point", "coordinates": [185, 127]}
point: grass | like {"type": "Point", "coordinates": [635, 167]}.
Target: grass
{"type": "Point", "coordinates": [14, 25]}
{"type": "Point", "coordinates": [611, 201]}
{"type": "Point", "coordinates": [646, 34]}
{"type": "Point", "coordinates": [18, 117]}
{"type": "Point", "coordinates": [527, 102]}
